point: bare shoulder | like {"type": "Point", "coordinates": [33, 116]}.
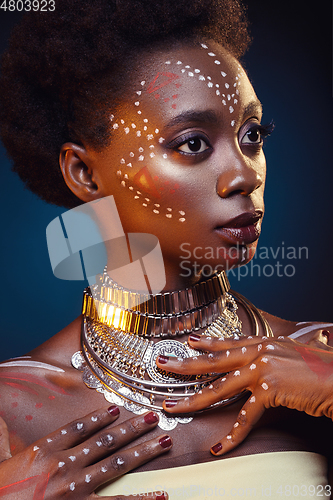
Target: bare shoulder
{"type": "Point", "coordinates": [40, 384]}
{"type": "Point", "coordinates": [302, 331]}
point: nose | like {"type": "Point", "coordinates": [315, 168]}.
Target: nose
{"type": "Point", "coordinates": [240, 178]}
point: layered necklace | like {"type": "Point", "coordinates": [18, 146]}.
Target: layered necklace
{"type": "Point", "coordinates": [124, 332]}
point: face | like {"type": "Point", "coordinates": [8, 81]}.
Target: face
{"type": "Point", "coordinates": [185, 162]}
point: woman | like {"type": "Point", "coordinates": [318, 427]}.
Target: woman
{"type": "Point", "coordinates": [195, 105]}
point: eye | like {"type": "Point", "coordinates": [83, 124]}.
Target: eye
{"type": "Point", "coordinates": [193, 145]}
{"type": "Point", "coordinates": [256, 134]}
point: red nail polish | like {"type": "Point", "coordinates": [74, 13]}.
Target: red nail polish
{"type": "Point", "coordinates": [194, 337]}
{"type": "Point", "coordinates": [170, 403]}
{"type": "Point", "coordinates": [113, 410]}
{"type": "Point", "coordinates": [165, 441]}
{"type": "Point", "coordinates": [163, 359]}
{"type": "Point", "coordinates": [327, 334]}
{"type": "Point", "coordinates": [150, 418]}
{"type": "Point", "coordinates": [216, 448]}
{"type": "Point", "coordinates": [160, 497]}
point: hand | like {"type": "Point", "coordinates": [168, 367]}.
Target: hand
{"type": "Point", "coordinates": [277, 371]}
{"type": "Point", "coordinates": [79, 457]}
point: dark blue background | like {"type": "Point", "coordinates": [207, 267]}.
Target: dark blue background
{"type": "Point", "coordinates": [290, 65]}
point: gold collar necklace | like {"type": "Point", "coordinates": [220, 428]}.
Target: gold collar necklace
{"type": "Point", "coordinates": [118, 355]}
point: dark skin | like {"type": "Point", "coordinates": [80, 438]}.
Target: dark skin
{"type": "Point", "coordinates": [220, 174]}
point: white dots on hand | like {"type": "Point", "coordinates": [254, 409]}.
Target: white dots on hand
{"type": "Point", "coordinates": [79, 426]}
{"type": "Point", "coordinates": [63, 431]}
{"type": "Point", "coordinates": [253, 366]}
{"type": "Point", "coordinates": [243, 412]}
{"type": "Point", "coordinates": [229, 437]}
{"type": "Point", "coordinates": [161, 139]}
{"type": "Point", "coordinates": [152, 155]}
{"type": "Point", "coordinates": [122, 161]}
{"type": "Point", "coordinates": [156, 131]}
{"type": "Point", "coordinates": [243, 350]}
{"type": "Point", "coordinates": [35, 448]}
{"type": "Point", "coordinates": [61, 464]}
{"type": "Point", "coordinates": [86, 451]}
{"type": "Point", "coordinates": [131, 154]}
{"type": "Point", "coordinates": [237, 373]}
{"type": "Point", "coordinates": [156, 211]}
{"type": "Point", "coordinates": [264, 386]}
{"type": "Point", "coordinates": [270, 347]}
{"type": "Point", "coordinates": [202, 78]}
{"type": "Point", "coordinates": [99, 443]}
{"type": "Point", "coordinates": [259, 347]}
{"type": "Point", "coordinates": [123, 431]}
{"type": "Point", "coordinates": [137, 103]}
{"type": "Point", "coordinates": [182, 219]}
{"type": "Point", "coordinates": [223, 379]}
{"type": "Point", "coordinates": [236, 424]}
{"type": "Point", "coordinates": [126, 129]}
{"type": "Point", "coordinates": [136, 454]}
{"type": "Point", "coordinates": [223, 74]}
{"type": "Point", "coordinates": [264, 360]}
{"type": "Point", "coordinates": [72, 486]}
{"type": "Point", "coordinates": [88, 478]}
{"type": "Point", "coordinates": [143, 82]}
{"type": "Point", "coordinates": [217, 61]}
{"type": "Point", "coordinates": [252, 399]}
{"type": "Point", "coordinates": [211, 54]}
{"type": "Point", "coordinates": [210, 84]}
{"type": "Point", "coordinates": [72, 458]}
{"type": "Point", "coordinates": [120, 461]}
{"type": "Point", "coordinates": [138, 133]}
{"type": "Point", "coordinates": [226, 85]}
{"type": "Point", "coordinates": [104, 468]}
{"type": "Point", "coordinates": [49, 440]}
{"type": "Point", "coordinates": [141, 158]}
{"type": "Point", "coordinates": [190, 73]}
{"type": "Point", "coordinates": [227, 353]}
{"type": "Point", "coordinates": [204, 46]}
{"type": "Point", "coordinates": [165, 155]}
{"type": "Point", "coordinates": [115, 126]}
{"type": "Point", "coordinates": [231, 109]}
{"type": "Point", "coordinates": [179, 62]}
{"type": "Point", "coordinates": [139, 92]}
{"type": "Point", "coordinates": [211, 386]}
{"type": "Point", "coordinates": [167, 62]}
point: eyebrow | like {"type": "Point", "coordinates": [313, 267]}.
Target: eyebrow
{"type": "Point", "coordinates": [210, 116]}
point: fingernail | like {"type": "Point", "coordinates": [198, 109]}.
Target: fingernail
{"type": "Point", "coordinates": [194, 337]}
{"type": "Point", "coordinates": [163, 359]}
{"type": "Point", "coordinates": [151, 418]}
{"type": "Point", "coordinates": [327, 334]}
{"type": "Point", "coordinates": [216, 448]}
{"type": "Point", "coordinates": [113, 410]}
{"type": "Point", "coordinates": [165, 441]}
{"type": "Point", "coordinates": [170, 403]}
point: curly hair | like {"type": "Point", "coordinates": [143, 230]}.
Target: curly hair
{"type": "Point", "coordinates": [64, 70]}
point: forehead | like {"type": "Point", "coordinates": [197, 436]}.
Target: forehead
{"type": "Point", "coordinates": [205, 77]}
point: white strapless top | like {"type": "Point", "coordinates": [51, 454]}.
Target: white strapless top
{"type": "Point", "coordinates": [275, 475]}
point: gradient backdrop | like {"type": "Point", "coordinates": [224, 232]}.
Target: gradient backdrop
{"type": "Point", "coordinates": [290, 65]}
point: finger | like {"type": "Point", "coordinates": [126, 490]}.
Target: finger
{"type": "Point", "coordinates": [154, 495]}
{"type": "Point", "coordinates": [123, 461]}
{"type": "Point", "coordinates": [111, 439]}
{"type": "Point", "coordinates": [222, 388]}
{"type": "Point", "coordinates": [80, 429]}
{"type": "Point", "coordinates": [5, 452]}
{"type": "Point", "coordinates": [222, 361]}
{"type": "Point", "coordinates": [213, 344]}
{"type": "Point", "coordinates": [247, 418]}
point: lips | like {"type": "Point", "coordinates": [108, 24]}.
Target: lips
{"type": "Point", "coordinates": [243, 229]}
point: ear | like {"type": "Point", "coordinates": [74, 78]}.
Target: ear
{"type": "Point", "coordinates": [77, 172]}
